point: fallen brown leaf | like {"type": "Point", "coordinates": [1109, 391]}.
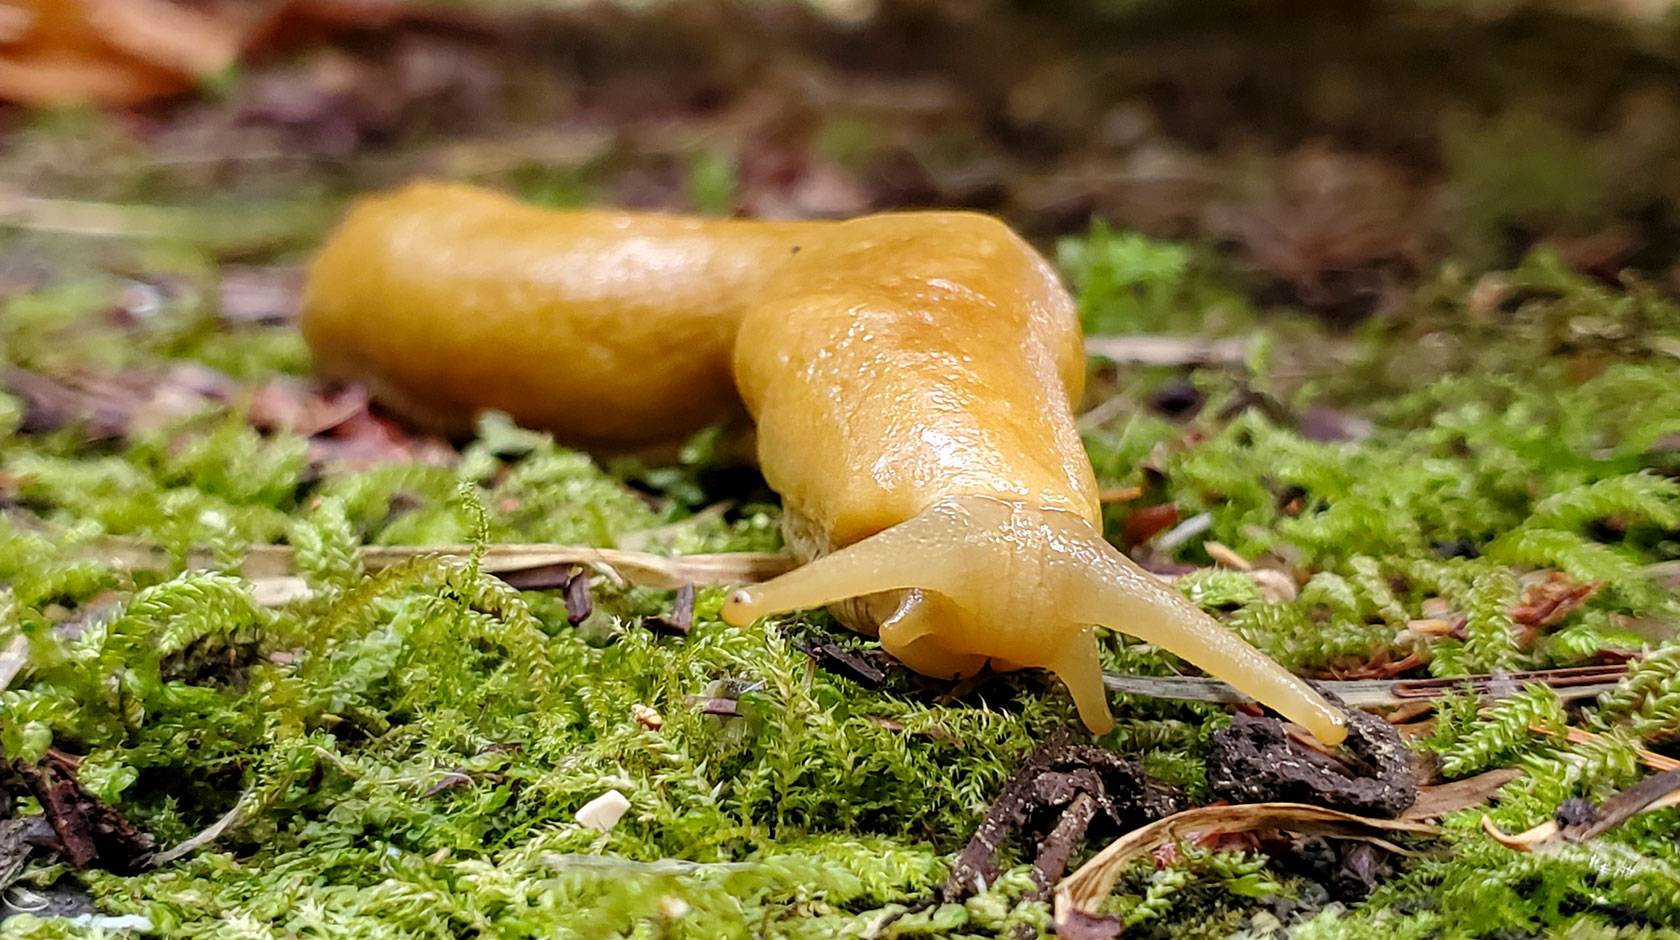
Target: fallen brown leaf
{"type": "Point", "coordinates": [363, 439]}
{"type": "Point", "coordinates": [128, 52]}
{"type": "Point", "coordinates": [20, 836]}
{"type": "Point", "coordinates": [89, 833]}
{"type": "Point", "coordinates": [1334, 229]}
{"type": "Point", "coordinates": [1549, 602]}
{"type": "Point", "coordinates": [169, 36]}
{"type": "Point", "coordinates": [118, 404]}
{"type": "Point", "coordinates": [1081, 892]}
{"type": "Point", "coordinates": [580, 603]}
{"type": "Point", "coordinates": [1648, 794]}
{"type": "Point", "coordinates": [1437, 801]}
{"type": "Point", "coordinates": [259, 295]}
{"type": "Point", "coordinates": [1530, 840]}
{"type": "Point", "coordinates": [1650, 759]}
{"type": "Point", "coordinates": [1275, 586]}
{"type": "Point", "coordinates": [1322, 423]}
{"type": "Point", "coordinates": [285, 404]}
{"type": "Point", "coordinates": [77, 52]}
{"type": "Point", "coordinates": [1382, 666]}
{"type": "Point", "coordinates": [1433, 626]}
{"type": "Point", "coordinates": [1145, 523]}
{"type": "Point", "coordinates": [1082, 926]}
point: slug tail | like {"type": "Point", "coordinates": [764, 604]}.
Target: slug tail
{"type": "Point", "coordinates": [1115, 593]}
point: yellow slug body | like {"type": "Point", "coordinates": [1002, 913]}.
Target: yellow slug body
{"type": "Point", "coordinates": [611, 329]}
{"type": "Point", "coordinates": [911, 376]}
{"type": "Point", "coordinates": [922, 355]}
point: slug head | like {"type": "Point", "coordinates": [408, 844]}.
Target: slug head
{"type": "Point", "coordinates": [990, 581]}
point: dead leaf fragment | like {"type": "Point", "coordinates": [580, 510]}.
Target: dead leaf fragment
{"type": "Point", "coordinates": [1145, 523]}
{"type": "Point", "coordinates": [166, 35]}
{"type": "Point", "coordinates": [1437, 801]}
{"type": "Point", "coordinates": [1082, 926]}
{"type": "Point", "coordinates": [448, 781]}
{"type": "Point", "coordinates": [89, 833]}
{"type": "Point", "coordinates": [1225, 555]}
{"type": "Point", "coordinates": [1274, 585]}
{"type": "Point", "coordinates": [1549, 602]}
{"type": "Point", "coordinates": [1119, 494]}
{"type": "Point", "coordinates": [259, 296]}
{"type": "Point", "coordinates": [681, 619]}
{"type": "Point", "coordinates": [285, 404]}
{"type": "Point", "coordinates": [647, 717]}
{"type": "Point", "coordinates": [117, 52]}
{"type": "Point", "coordinates": [1651, 793]}
{"type": "Point", "coordinates": [862, 668]}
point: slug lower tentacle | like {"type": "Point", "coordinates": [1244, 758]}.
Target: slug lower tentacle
{"type": "Point", "coordinates": [1022, 587]}
{"type": "Point", "coordinates": [911, 378]}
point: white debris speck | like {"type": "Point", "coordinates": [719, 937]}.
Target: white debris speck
{"type": "Point", "coordinates": [1274, 585]}
{"type": "Point", "coordinates": [672, 908]}
{"type": "Point", "coordinates": [603, 812]}
{"type": "Point", "coordinates": [1181, 534]}
{"type": "Point", "coordinates": [124, 922]}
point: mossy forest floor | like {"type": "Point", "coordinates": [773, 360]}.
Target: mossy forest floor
{"type": "Point", "coordinates": [1425, 257]}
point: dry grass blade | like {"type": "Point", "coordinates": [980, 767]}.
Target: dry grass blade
{"type": "Point", "coordinates": [209, 834]}
{"type": "Point", "coordinates": [1569, 684]}
{"type": "Point", "coordinates": [12, 659]}
{"type": "Point", "coordinates": [1540, 837]}
{"type": "Point", "coordinates": [1168, 350]}
{"type": "Point", "coordinates": [98, 219]}
{"type": "Point", "coordinates": [1652, 793]}
{"type": "Point", "coordinates": [642, 568]}
{"type": "Point", "coordinates": [1086, 888]}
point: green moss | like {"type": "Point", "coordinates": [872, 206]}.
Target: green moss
{"type": "Point", "coordinates": [404, 751]}
{"type": "Point", "coordinates": [712, 182]}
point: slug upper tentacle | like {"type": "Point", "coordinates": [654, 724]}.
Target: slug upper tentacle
{"type": "Point", "coordinates": [911, 378]}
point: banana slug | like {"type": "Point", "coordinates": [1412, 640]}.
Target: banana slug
{"type": "Point", "coordinates": [911, 376]}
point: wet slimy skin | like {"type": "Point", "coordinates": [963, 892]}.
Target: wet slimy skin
{"type": "Point", "coordinates": [911, 378]}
